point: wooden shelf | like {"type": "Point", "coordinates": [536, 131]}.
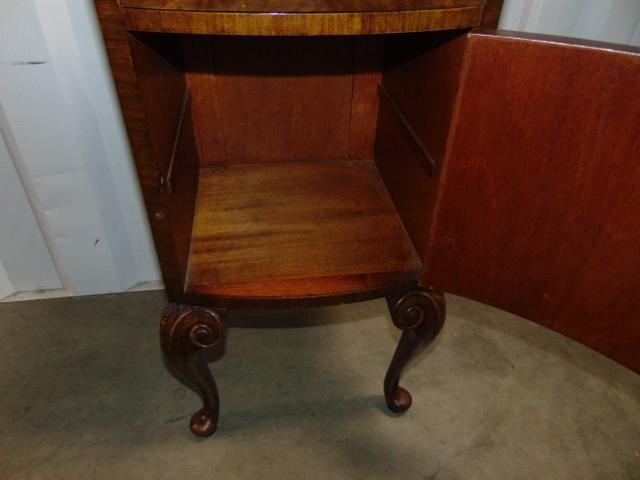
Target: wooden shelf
{"type": "Point", "coordinates": [297, 230]}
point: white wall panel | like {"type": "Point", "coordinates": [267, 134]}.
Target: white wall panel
{"type": "Point", "coordinates": [635, 38]}
{"type": "Point", "coordinates": [6, 287]}
{"type": "Point", "coordinates": [25, 263]}
{"type": "Point", "coordinates": [74, 40]}
{"type": "Point", "coordinates": [614, 21]}
{"type": "Point", "coordinates": [67, 142]}
{"type": "Point", "coordinates": [609, 20]}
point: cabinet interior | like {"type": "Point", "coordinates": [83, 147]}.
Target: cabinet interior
{"type": "Point", "coordinates": [298, 165]}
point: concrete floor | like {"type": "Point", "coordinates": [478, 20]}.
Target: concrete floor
{"type": "Point", "coordinates": [84, 394]}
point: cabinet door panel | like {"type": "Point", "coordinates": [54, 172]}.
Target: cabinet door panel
{"type": "Point", "coordinates": [539, 200]}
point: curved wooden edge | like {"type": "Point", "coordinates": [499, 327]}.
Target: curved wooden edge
{"type": "Point", "coordinates": [294, 293]}
{"type": "Point", "coordinates": [300, 24]}
{"type": "Point", "coordinates": [298, 6]}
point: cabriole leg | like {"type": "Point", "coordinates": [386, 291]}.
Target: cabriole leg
{"type": "Point", "coordinates": [420, 315]}
{"type": "Point", "coordinates": [186, 332]}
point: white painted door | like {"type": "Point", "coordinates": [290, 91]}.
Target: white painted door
{"type": "Point", "coordinates": [64, 133]}
{"type": "Point", "coordinates": [25, 263]}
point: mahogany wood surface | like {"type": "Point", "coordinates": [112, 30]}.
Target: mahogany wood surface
{"type": "Point", "coordinates": [227, 112]}
{"type": "Point", "coordinates": [405, 177]}
{"type": "Point", "coordinates": [420, 314]}
{"type": "Point", "coordinates": [297, 230]}
{"type": "Point", "coordinates": [137, 122]}
{"type": "Point", "coordinates": [180, 195]}
{"type": "Point", "coordinates": [198, 60]}
{"type": "Point", "coordinates": [261, 100]}
{"type": "Point", "coordinates": [421, 76]}
{"type": "Point", "coordinates": [491, 13]}
{"type": "Point", "coordinates": [159, 77]}
{"type": "Point", "coordinates": [300, 24]}
{"type": "Point", "coordinates": [307, 6]}
{"type": "Point", "coordinates": [165, 101]}
{"type": "Point", "coordinates": [539, 201]}
{"type": "Point", "coordinates": [186, 333]}
{"type": "Point", "coordinates": [368, 57]}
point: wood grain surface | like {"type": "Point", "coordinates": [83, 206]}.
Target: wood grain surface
{"type": "Point", "coordinates": [317, 227]}
{"type": "Point", "coordinates": [421, 74]}
{"type": "Point", "coordinates": [262, 100]}
{"type": "Point", "coordinates": [368, 58]}
{"type": "Point", "coordinates": [539, 207]}
{"type": "Point", "coordinates": [148, 166]}
{"type": "Point", "coordinates": [300, 24]}
{"type": "Point", "coordinates": [491, 13]}
{"type": "Point", "coordinates": [156, 60]}
{"type": "Point", "coordinates": [298, 5]}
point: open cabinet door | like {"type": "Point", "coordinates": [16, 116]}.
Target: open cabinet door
{"type": "Point", "coordinates": [538, 205]}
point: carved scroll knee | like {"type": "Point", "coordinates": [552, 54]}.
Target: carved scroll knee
{"type": "Point", "coordinates": [186, 332]}
{"type": "Point", "coordinates": [420, 315]}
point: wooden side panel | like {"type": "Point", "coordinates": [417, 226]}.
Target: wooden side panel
{"type": "Point", "coordinates": [180, 194]}
{"type": "Point", "coordinates": [406, 180]}
{"type": "Point", "coordinates": [139, 129]}
{"type": "Point", "coordinates": [162, 89]}
{"type": "Point", "coordinates": [271, 100]}
{"type": "Point", "coordinates": [422, 77]}
{"type": "Point", "coordinates": [491, 13]}
{"type": "Point", "coordinates": [540, 206]}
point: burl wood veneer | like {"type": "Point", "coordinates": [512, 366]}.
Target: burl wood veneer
{"type": "Point", "coordinates": [303, 153]}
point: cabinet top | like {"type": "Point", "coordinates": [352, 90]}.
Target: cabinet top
{"type": "Point", "coordinates": [304, 17]}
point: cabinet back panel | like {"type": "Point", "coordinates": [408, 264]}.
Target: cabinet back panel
{"type": "Point", "coordinates": [279, 99]}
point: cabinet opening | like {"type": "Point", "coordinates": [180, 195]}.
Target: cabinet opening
{"type": "Point", "coordinates": [302, 166]}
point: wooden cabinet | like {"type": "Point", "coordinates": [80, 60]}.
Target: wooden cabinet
{"type": "Point", "coordinates": [300, 153]}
